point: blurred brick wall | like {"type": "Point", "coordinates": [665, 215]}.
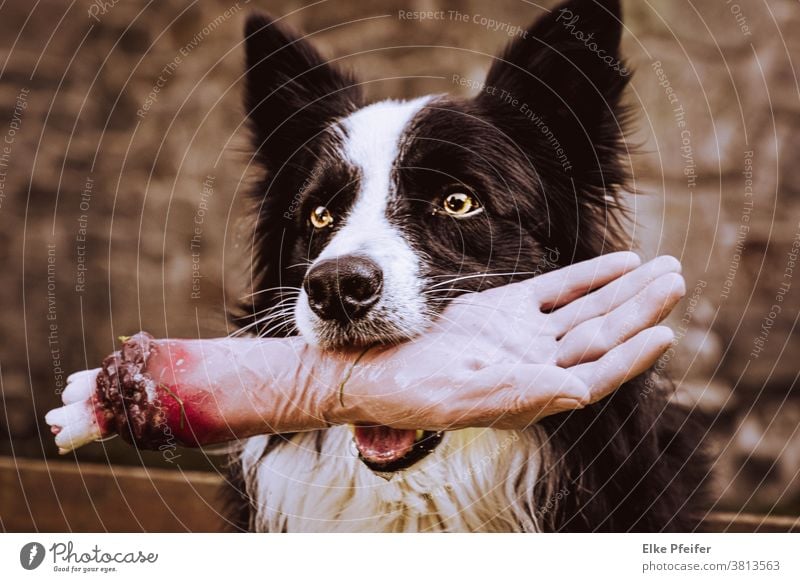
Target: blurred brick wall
{"type": "Point", "coordinates": [126, 128]}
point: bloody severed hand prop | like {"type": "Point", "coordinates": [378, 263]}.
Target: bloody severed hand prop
{"type": "Point", "coordinates": [195, 392]}
{"type": "Point", "coordinates": [505, 357]}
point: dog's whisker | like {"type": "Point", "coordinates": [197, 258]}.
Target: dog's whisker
{"type": "Point", "coordinates": [277, 305]}
{"type": "Point", "coordinates": [296, 265]}
{"type": "Point", "coordinates": [438, 319]}
{"type": "Point", "coordinates": [275, 328]}
{"type": "Point", "coordinates": [459, 274]}
{"type": "Point", "coordinates": [287, 311]}
{"type": "Point", "coordinates": [271, 308]}
{"type": "Point", "coordinates": [435, 292]}
{"type": "Point", "coordinates": [456, 274]}
{"type": "Point", "coordinates": [288, 289]}
{"type": "Point", "coordinates": [292, 287]}
{"type": "Point", "coordinates": [278, 320]}
{"type": "Point", "coordinates": [509, 274]}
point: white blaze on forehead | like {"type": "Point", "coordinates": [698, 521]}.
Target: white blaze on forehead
{"type": "Point", "coordinates": [373, 138]}
{"type": "Point", "coordinates": [372, 141]}
{"type": "Point", "coordinates": [372, 144]}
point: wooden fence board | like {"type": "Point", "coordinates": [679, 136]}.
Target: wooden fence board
{"type": "Point", "coordinates": [58, 496]}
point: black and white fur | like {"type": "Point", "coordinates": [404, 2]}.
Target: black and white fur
{"type": "Point", "coordinates": [628, 463]}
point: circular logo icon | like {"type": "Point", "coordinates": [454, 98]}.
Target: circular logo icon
{"type": "Point", "coordinates": [31, 555]}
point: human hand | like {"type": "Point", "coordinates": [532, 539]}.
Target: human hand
{"type": "Point", "coordinates": [506, 357]}
{"type": "Point", "coordinates": [512, 355]}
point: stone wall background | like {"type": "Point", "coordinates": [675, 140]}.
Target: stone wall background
{"type": "Point", "coordinates": [79, 159]}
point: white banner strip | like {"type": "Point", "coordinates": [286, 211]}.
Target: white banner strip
{"type": "Point", "coordinates": [390, 557]}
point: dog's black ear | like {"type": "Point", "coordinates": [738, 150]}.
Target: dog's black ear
{"type": "Point", "coordinates": [556, 92]}
{"type": "Point", "coordinates": [566, 72]}
{"type": "Point", "coordinates": [291, 92]}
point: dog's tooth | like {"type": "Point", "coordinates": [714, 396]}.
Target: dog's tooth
{"type": "Point", "coordinates": [354, 448]}
{"type": "Point", "coordinates": [420, 434]}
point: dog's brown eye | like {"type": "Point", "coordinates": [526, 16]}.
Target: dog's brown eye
{"type": "Point", "coordinates": [321, 217]}
{"type": "Point", "coordinates": [461, 205]}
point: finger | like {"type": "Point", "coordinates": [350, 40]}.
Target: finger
{"type": "Point", "coordinates": [624, 362]}
{"type": "Point", "coordinates": [76, 435]}
{"type": "Point", "coordinates": [65, 415]}
{"type": "Point", "coordinates": [591, 339]}
{"type": "Point", "coordinates": [551, 289]}
{"type": "Point", "coordinates": [80, 386]}
{"type": "Point", "coordinates": [614, 294]}
{"type": "Point", "coordinates": [559, 287]}
{"type": "Point", "coordinates": [76, 424]}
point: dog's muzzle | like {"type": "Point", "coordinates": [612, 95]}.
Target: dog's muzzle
{"type": "Point", "coordinates": [343, 289]}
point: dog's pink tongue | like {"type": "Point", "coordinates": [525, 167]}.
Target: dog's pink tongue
{"type": "Point", "coordinates": [381, 444]}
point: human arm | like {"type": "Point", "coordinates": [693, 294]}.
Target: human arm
{"type": "Point", "coordinates": [506, 357]}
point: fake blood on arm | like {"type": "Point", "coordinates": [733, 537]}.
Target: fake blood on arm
{"type": "Point", "coordinates": [195, 392]}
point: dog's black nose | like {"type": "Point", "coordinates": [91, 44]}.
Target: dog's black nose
{"type": "Point", "coordinates": [343, 289]}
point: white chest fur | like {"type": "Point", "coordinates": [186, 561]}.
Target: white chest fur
{"type": "Point", "coordinates": [475, 480]}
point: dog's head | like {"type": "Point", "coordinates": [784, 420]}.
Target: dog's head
{"type": "Point", "coordinates": [371, 217]}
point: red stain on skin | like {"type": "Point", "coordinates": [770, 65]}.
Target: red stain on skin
{"type": "Point", "coordinates": [182, 411]}
{"type": "Point", "coordinates": [191, 415]}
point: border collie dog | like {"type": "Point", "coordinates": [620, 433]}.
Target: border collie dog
{"type": "Point", "coordinates": [372, 216]}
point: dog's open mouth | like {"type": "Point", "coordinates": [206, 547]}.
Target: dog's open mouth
{"type": "Point", "coordinates": [385, 449]}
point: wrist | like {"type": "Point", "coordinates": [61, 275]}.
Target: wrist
{"type": "Point", "coordinates": [326, 372]}
{"type": "Point", "coordinates": [343, 375]}
{"type": "Point", "coordinates": [126, 398]}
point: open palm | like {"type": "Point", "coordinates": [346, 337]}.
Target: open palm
{"type": "Point", "coordinates": [512, 355]}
